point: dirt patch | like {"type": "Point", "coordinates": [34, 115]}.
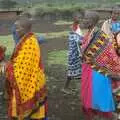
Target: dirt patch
{"type": "Point", "coordinates": [61, 106]}
{"type": "Point", "coordinates": [52, 45]}
{"type": "Point", "coordinates": [46, 27]}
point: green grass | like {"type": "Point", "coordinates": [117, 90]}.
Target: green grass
{"type": "Point", "coordinates": [62, 22]}
{"type": "Point", "coordinates": [53, 35]}
{"type": "Point", "coordinates": [57, 57]}
{"type": "Point", "coordinates": [8, 42]}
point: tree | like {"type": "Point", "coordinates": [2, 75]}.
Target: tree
{"type": "Point", "coordinates": [7, 4]}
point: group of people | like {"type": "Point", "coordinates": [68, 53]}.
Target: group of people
{"type": "Point", "coordinates": [93, 57]}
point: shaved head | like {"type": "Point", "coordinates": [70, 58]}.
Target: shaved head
{"type": "Point", "coordinates": [91, 19]}
{"type": "Point", "coordinates": [115, 13]}
{"type": "Point", "coordinates": [23, 26]}
{"type": "Point", "coordinates": [25, 23]}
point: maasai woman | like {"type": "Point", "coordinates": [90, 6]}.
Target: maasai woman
{"type": "Point", "coordinates": [96, 90]}
{"type": "Point", "coordinates": [112, 25]}
{"type": "Point", "coordinates": [74, 53]}
{"type": "Point", "coordinates": [14, 33]}
{"type": "Point", "coordinates": [25, 77]}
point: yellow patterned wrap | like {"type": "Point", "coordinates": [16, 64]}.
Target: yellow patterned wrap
{"type": "Point", "coordinates": [29, 79]}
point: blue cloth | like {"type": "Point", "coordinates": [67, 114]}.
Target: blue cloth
{"type": "Point", "coordinates": [41, 40]}
{"type": "Point", "coordinates": [74, 55]}
{"type": "Point", "coordinates": [46, 118]}
{"type": "Point", "coordinates": [102, 98]}
{"type": "Point", "coordinates": [115, 27]}
{"type": "Point", "coordinates": [15, 36]}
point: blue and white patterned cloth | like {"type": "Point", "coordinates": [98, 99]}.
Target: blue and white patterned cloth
{"type": "Point", "coordinates": [74, 55]}
{"type": "Point", "coordinates": [15, 35]}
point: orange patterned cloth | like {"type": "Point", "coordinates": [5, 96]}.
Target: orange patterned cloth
{"type": "Point", "coordinates": [26, 80]}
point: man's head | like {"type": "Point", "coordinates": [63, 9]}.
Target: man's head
{"type": "Point", "coordinates": [23, 26]}
{"type": "Point", "coordinates": [115, 14]}
{"type": "Point", "coordinates": [90, 19]}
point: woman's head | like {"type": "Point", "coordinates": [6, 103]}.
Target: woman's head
{"type": "Point", "coordinates": [23, 26]}
{"type": "Point", "coordinates": [76, 20]}
{"type": "Point", "coordinates": [115, 14]}
{"type": "Point", "coordinates": [75, 24]}
{"type": "Point", "coordinates": [90, 19]}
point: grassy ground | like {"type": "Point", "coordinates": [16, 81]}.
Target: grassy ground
{"type": "Point", "coordinates": [61, 22]}
{"type": "Point", "coordinates": [53, 35]}
{"type": "Point", "coordinates": [57, 57]}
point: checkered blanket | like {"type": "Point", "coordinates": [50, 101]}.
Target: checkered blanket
{"type": "Point", "coordinates": [101, 55]}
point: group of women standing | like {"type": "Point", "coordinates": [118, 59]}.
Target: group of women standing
{"type": "Point", "coordinates": [89, 58]}
{"type": "Point", "coordinates": [100, 62]}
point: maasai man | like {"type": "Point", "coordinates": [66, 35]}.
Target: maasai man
{"type": "Point", "coordinates": [112, 25]}
{"type": "Point", "coordinates": [74, 53]}
{"type": "Point", "coordinates": [26, 82]}
{"type": "Point", "coordinates": [96, 89]}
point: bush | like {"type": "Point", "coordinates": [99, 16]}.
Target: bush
{"type": "Point", "coordinates": [7, 4]}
